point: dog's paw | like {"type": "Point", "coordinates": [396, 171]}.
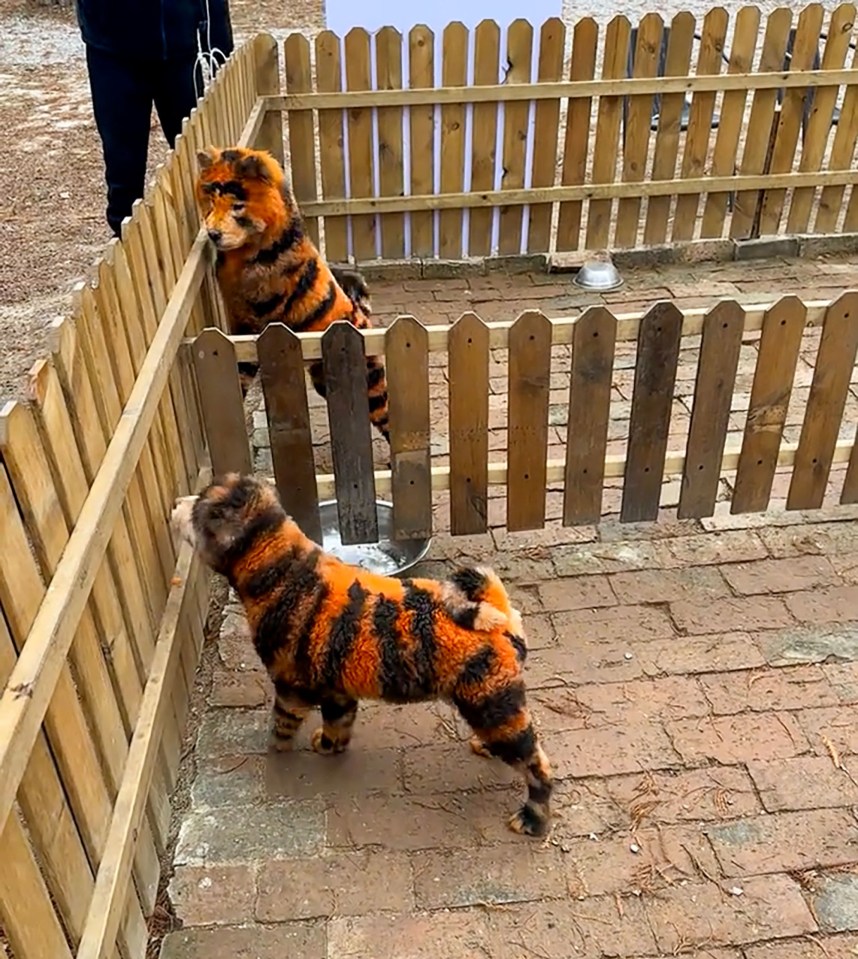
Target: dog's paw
{"type": "Point", "coordinates": [479, 747]}
{"type": "Point", "coordinates": [278, 744]}
{"type": "Point", "coordinates": [325, 746]}
{"type": "Point", "coordinates": [526, 822]}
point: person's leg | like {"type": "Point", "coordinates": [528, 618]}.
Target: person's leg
{"type": "Point", "coordinates": [122, 104]}
{"type": "Point", "coordinates": [176, 94]}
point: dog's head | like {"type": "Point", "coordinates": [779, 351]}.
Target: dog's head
{"type": "Point", "coordinates": [223, 522]}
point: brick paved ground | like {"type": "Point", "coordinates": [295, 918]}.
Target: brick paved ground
{"type": "Point", "coordinates": [696, 685]}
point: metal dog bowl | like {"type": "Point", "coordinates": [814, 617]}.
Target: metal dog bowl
{"type": "Point", "coordinates": [598, 276]}
{"type": "Point", "coordinates": [388, 557]}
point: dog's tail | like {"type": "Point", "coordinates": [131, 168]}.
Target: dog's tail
{"type": "Point", "coordinates": [477, 599]}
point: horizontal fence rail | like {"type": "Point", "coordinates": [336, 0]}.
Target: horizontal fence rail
{"type": "Point", "coordinates": [527, 470]}
{"type": "Point", "coordinates": [542, 139]}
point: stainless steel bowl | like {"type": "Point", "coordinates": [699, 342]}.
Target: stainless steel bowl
{"type": "Point", "coordinates": [388, 557]}
{"type": "Point", "coordinates": [598, 276]}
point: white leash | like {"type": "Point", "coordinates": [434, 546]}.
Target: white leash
{"type": "Point", "coordinates": [207, 60]}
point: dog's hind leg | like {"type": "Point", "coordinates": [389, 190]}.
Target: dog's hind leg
{"type": "Point", "coordinates": [504, 729]}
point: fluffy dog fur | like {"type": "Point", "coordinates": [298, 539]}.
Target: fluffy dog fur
{"type": "Point", "coordinates": [331, 634]}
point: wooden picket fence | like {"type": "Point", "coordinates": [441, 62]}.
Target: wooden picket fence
{"type": "Point", "coordinates": [101, 617]}
{"type": "Point", "coordinates": [473, 144]}
{"type": "Point", "coordinates": [527, 472]}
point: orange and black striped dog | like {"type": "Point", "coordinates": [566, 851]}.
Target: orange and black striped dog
{"type": "Point", "coordinates": [268, 269]}
{"type": "Point", "coordinates": [331, 634]}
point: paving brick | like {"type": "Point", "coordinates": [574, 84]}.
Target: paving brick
{"type": "Point", "coordinates": [780, 575]}
{"type": "Point", "coordinates": [770, 907]}
{"type": "Point", "coordinates": [584, 660]}
{"type": "Point", "coordinates": [665, 855]}
{"type": "Point", "coordinates": [598, 927]}
{"type": "Point", "coordinates": [303, 939]}
{"type": "Point", "coordinates": [808, 947]}
{"type": "Point", "coordinates": [835, 727]}
{"type": "Point", "coordinates": [452, 767]}
{"type": "Point", "coordinates": [445, 879]}
{"type": "Point", "coordinates": [610, 750]}
{"type": "Point", "coordinates": [584, 807]}
{"type": "Point", "coordinates": [708, 549]}
{"type": "Point", "coordinates": [628, 703]}
{"type": "Point", "coordinates": [581, 560]}
{"type": "Point", "coordinates": [242, 688]}
{"type": "Point", "coordinates": [695, 584]}
{"type": "Point", "coordinates": [846, 566]}
{"type": "Point", "coordinates": [810, 644]}
{"type": "Point", "coordinates": [833, 605]}
{"type": "Point", "coordinates": [700, 654]}
{"type": "Point", "coordinates": [799, 687]}
{"type": "Point", "coordinates": [231, 732]}
{"type": "Point", "coordinates": [835, 903]}
{"type": "Point", "coordinates": [389, 727]}
{"type": "Point", "coordinates": [445, 934]}
{"type": "Point", "coordinates": [213, 895]}
{"type": "Point", "coordinates": [786, 842]}
{"type": "Point", "coordinates": [244, 834]}
{"type": "Point", "coordinates": [346, 884]}
{"type": "Point", "coordinates": [807, 782]}
{"type": "Point", "coordinates": [630, 622]}
{"type": "Point", "coordinates": [303, 774]}
{"type": "Point", "coordinates": [810, 539]}
{"type": "Point", "coordinates": [735, 613]}
{"type": "Point", "coordinates": [844, 680]}
{"type": "Point", "coordinates": [431, 821]}
{"type": "Point", "coordinates": [738, 739]}
{"type": "Point", "coordinates": [228, 781]}
{"type": "Point", "coordinates": [577, 592]}
{"type": "Point", "coordinates": [714, 793]}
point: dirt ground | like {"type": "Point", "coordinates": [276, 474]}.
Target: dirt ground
{"type": "Point", "coordinates": [52, 225]}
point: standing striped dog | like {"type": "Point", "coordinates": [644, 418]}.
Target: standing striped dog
{"type": "Point", "coordinates": [331, 634]}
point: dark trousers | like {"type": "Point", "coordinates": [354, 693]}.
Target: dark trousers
{"type": "Point", "coordinates": [123, 91]}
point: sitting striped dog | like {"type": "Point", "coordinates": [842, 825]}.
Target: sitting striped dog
{"type": "Point", "coordinates": [331, 634]}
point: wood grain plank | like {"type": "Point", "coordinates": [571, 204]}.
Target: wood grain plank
{"type": "Point", "coordinates": [406, 353]}
{"type": "Point", "coordinates": [361, 153]}
{"type": "Point", "coordinates": [842, 150]}
{"type": "Point", "coordinates": [606, 150]}
{"type": "Point", "coordinates": [351, 441]}
{"type": "Point", "coordinates": [331, 156]}
{"type": "Point", "coordinates": [804, 51]}
{"type": "Point", "coordinates": [302, 135]}
{"type": "Point", "coordinates": [388, 59]}
{"type": "Point", "coordinates": [770, 394]}
{"type": "Point", "coordinates": [421, 71]}
{"type": "Point", "coordinates": [582, 67]}
{"type": "Point", "coordinates": [694, 157]}
{"type": "Point", "coordinates": [515, 134]}
{"type": "Point", "coordinates": [732, 119]}
{"type": "Point", "coordinates": [454, 73]}
{"type": "Point", "coordinates": [468, 347]}
{"type": "Point", "coordinates": [761, 119]}
{"type": "Point", "coordinates": [649, 424]}
{"type": "Point", "coordinates": [589, 411]}
{"type": "Point", "coordinates": [637, 128]}
{"type": "Point", "coordinates": [710, 414]}
{"type": "Point", "coordinates": [815, 138]}
{"type": "Point", "coordinates": [546, 127]}
{"type": "Point", "coordinates": [484, 137]}
{"type": "Point", "coordinates": [223, 410]}
{"type": "Point", "coordinates": [281, 368]}
{"type": "Point", "coordinates": [677, 64]}
{"type": "Point", "coordinates": [529, 384]}
{"type": "Point", "coordinates": [835, 361]}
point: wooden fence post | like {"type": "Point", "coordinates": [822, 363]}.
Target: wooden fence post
{"type": "Point", "coordinates": [267, 71]}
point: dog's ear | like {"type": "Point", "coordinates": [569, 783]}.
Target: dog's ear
{"type": "Point", "coordinates": [252, 168]}
{"type": "Point", "coordinates": [206, 157]}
